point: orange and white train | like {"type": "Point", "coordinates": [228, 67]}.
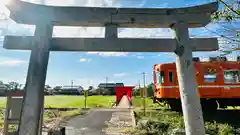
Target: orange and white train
{"type": "Point", "coordinates": [218, 82]}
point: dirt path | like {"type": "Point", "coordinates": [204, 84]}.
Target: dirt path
{"type": "Point", "coordinates": [102, 121]}
{"type": "Point", "coordinates": [91, 124]}
{"type": "Point", "coordinates": [124, 103]}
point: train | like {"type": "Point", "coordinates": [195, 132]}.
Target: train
{"type": "Point", "coordinates": [218, 83]}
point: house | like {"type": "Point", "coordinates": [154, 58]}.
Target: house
{"type": "Point", "coordinates": [71, 90]}
{"type": "Point", "coordinates": [3, 89]}
{"type": "Point", "coordinates": [110, 87]}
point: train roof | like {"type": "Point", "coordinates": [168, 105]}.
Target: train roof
{"type": "Point", "coordinates": [228, 65]}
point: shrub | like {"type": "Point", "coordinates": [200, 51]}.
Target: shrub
{"type": "Point", "coordinates": [213, 128]}
{"type": "Point", "coordinates": [154, 127]}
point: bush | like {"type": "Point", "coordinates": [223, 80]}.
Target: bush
{"type": "Point", "coordinates": [154, 127]}
{"type": "Point", "coordinates": [218, 129]}
{"type": "Point", "coordinates": [165, 122]}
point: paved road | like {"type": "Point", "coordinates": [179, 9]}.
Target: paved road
{"type": "Point", "coordinates": [91, 124]}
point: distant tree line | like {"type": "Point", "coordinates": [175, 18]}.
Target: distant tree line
{"type": "Point", "coordinates": [149, 88]}
{"type": "Point", "coordinates": [14, 86]}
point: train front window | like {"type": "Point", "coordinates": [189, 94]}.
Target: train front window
{"type": "Point", "coordinates": [160, 77]}
{"type": "Point", "coordinates": [170, 77]}
{"type": "Point", "coordinates": [231, 76]}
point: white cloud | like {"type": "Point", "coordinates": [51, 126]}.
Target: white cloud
{"type": "Point", "coordinates": [111, 81]}
{"type": "Point", "coordinates": [146, 33]}
{"type": "Point", "coordinates": [133, 3]}
{"type": "Point", "coordinates": [140, 57]}
{"type": "Point", "coordinates": [231, 57]}
{"type": "Point", "coordinates": [83, 32]}
{"type": "Point", "coordinates": [84, 60]}
{"type": "Point", "coordinates": [89, 3]}
{"type": "Point", "coordinates": [120, 74]}
{"type": "Point", "coordinates": [85, 82]}
{"type": "Point", "coordinates": [204, 59]}
{"type": "Point", "coordinates": [107, 54]}
{"type": "Point", "coordinates": [10, 62]}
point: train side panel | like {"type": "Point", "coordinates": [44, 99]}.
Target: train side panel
{"type": "Point", "coordinates": [212, 91]}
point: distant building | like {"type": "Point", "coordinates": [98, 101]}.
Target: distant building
{"type": "Point", "coordinates": [71, 90]}
{"type": "Point", "coordinates": [109, 87]}
{"type": "Point", "coordinates": [3, 87]}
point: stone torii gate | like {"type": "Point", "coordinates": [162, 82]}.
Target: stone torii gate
{"type": "Point", "coordinates": [46, 17]}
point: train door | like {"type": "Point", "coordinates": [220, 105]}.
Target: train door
{"type": "Point", "coordinates": [172, 85]}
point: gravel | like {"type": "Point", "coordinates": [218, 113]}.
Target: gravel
{"type": "Point", "coordinates": [121, 119]}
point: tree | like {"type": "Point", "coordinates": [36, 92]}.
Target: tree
{"type": "Point", "coordinates": [229, 13]}
{"type": "Point", "coordinates": [47, 86]}
{"type": "Point", "coordinates": [136, 92]}
{"type": "Point", "coordinates": [57, 88]}
{"type": "Point", "coordinates": [13, 86]}
{"type": "Point", "coordinates": [90, 88]}
{"type": "Point", "coordinates": [150, 90]}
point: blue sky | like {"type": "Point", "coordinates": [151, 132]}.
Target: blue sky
{"type": "Point", "coordinates": [91, 68]}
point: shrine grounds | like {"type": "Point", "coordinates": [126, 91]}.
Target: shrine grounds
{"type": "Point", "coordinates": [157, 119]}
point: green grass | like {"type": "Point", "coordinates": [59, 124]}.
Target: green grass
{"type": "Point", "coordinates": [65, 102]}
{"type": "Point", "coordinates": [60, 101]}
{"type": "Point", "coordinates": [3, 102]}
{"type": "Point", "coordinates": [164, 121]}
{"type": "Point", "coordinates": [138, 103]}
{"type": "Point", "coordinates": [159, 120]}
{"type": "Point", "coordinates": [53, 114]}
{"type": "Point", "coordinates": [78, 101]}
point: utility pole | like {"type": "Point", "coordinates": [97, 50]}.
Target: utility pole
{"type": "Point", "coordinates": [144, 86]}
{"type": "Point", "coordinates": [145, 94]}
{"type": "Point", "coordinates": [71, 83]}
{"type": "Point", "coordinates": [139, 85]}
{"type": "Point", "coordinates": [106, 81]}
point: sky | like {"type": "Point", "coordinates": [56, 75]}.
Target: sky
{"type": "Point", "coordinates": [92, 68]}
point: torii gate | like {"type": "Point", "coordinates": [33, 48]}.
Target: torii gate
{"type": "Point", "coordinates": [45, 17]}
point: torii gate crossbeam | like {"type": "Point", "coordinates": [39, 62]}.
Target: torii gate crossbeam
{"type": "Point", "coordinates": [111, 45]}
{"type": "Point", "coordinates": [46, 17]}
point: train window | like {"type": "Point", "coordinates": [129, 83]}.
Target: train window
{"type": "Point", "coordinates": [231, 76]}
{"type": "Point", "coordinates": [210, 75]}
{"type": "Point", "coordinates": [170, 77]}
{"type": "Point", "coordinates": [210, 78]}
{"type": "Point", "coordinates": [160, 77]}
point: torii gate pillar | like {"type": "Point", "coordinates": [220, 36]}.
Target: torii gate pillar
{"type": "Point", "coordinates": [33, 102]}
{"type": "Point", "coordinates": [192, 111]}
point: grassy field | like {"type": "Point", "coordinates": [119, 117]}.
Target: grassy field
{"type": "Point", "coordinates": [72, 101]}
{"type": "Point", "coordinates": [78, 101]}
{"type": "Point", "coordinates": [51, 116]}
{"type": "Point", "coordinates": [160, 120]}
{"type": "Point", "coordinates": [164, 122]}
{"type": "Point", "coordinates": [138, 103]}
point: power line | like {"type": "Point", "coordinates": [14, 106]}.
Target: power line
{"type": "Point", "coordinates": [230, 8]}
{"type": "Point", "coordinates": [228, 29]}
{"type": "Point", "coordinates": [221, 35]}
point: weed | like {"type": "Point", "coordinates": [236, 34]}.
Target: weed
{"type": "Point", "coordinates": [164, 122]}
